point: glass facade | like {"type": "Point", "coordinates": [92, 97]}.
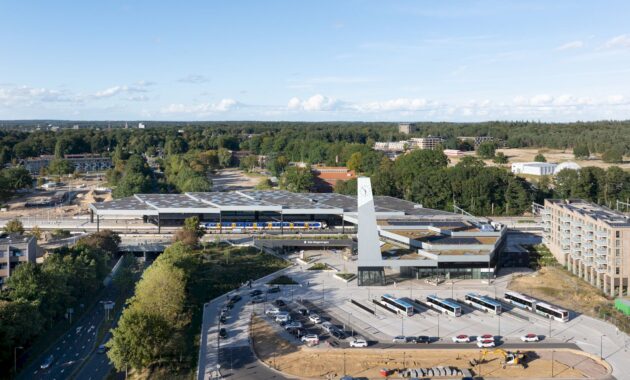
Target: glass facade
{"type": "Point", "coordinates": [371, 276]}
{"type": "Point", "coordinates": [447, 273]}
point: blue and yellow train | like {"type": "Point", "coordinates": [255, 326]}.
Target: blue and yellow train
{"type": "Point", "coordinates": [263, 225]}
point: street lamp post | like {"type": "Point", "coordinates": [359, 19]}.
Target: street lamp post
{"type": "Point", "coordinates": [499, 320]}
{"type": "Point", "coordinates": [601, 346]}
{"type": "Point", "coordinates": [402, 326]}
{"type": "Point", "coordinates": [15, 357]}
{"type": "Point", "coordinates": [438, 326]}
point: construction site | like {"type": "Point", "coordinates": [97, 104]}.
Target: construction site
{"type": "Point", "coordinates": [326, 362]}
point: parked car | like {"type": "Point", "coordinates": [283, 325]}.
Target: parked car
{"type": "Point", "coordinates": [530, 338]}
{"type": "Point", "coordinates": [485, 337]}
{"type": "Point", "coordinates": [303, 312]}
{"type": "Point", "coordinates": [274, 289]}
{"type": "Point", "coordinates": [315, 318]}
{"type": "Point", "coordinates": [359, 342]}
{"type": "Point", "coordinates": [223, 333]}
{"type": "Point", "coordinates": [400, 339]}
{"type": "Point", "coordinates": [338, 333]}
{"type": "Point", "coordinates": [255, 292]}
{"type": "Point", "coordinates": [293, 325]}
{"type": "Point", "coordinates": [223, 318]}
{"type": "Point", "coordinates": [47, 362]}
{"type": "Point", "coordinates": [101, 349]}
{"type": "Point", "coordinates": [486, 343]}
{"type": "Point", "coordinates": [423, 339]}
{"type": "Point", "coordinates": [235, 298]}
{"type": "Point", "coordinates": [283, 317]}
{"type": "Point", "coordinates": [258, 299]}
{"type": "Point", "coordinates": [280, 303]}
{"type": "Point", "coordinates": [327, 326]}
{"type": "Point", "coordinates": [410, 339]}
{"type": "Point", "coordinates": [272, 311]}
{"type": "Point", "coordinates": [310, 339]}
{"type": "Point", "coordinates": [461, 339]}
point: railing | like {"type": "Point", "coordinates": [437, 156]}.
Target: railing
{"type": "Point", "coordinates": [601, 268]}
{"type": "Point", "coordinates": [587, 245]}
{"type": "Point", "coordinates": [602, 234]}
{"type": "Point", "coordinates": [601, 250]}
{"type": "Point", "coordinates": [601, 260]}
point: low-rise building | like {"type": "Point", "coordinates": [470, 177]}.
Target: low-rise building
{"type": "Point", "coordinates": [592, 241]}
{"type": "Point", "coordinates": [391, 146]}
{"type": "Point", "coordinates": [15, 250]}
{"type": "Point", "coordinates": [534, 168]}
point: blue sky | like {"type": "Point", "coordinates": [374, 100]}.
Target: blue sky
{"type": "Point", "coordinates": [318, 60]}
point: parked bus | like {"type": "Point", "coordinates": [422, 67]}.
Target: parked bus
{"type": "Point", "coordinates": [398, 305]}
{"type": "Point", "coordinates": [445, 306]}
{"type": "Point", "coordinates": [482, 302]}
{"type": "Point", "coordinates": [520, 300]}
{"type": "Point", "coordinates": [553, 312]}
{"type": "Point", "coordinates": [537, 306]}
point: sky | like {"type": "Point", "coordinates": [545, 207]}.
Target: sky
{"type": "Point", "coordinates": [315, 60]}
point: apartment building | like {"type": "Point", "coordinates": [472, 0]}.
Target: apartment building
{"type": "Point", "coordinates": [429, 142]}
{"type": "Point", "coordinates": [406, 128]}
{"type": "Point", "coordinates": [392, 146]}
{"type": "Point", "coordinates": [14, 250]}
{"type": "Point", "coordinates": [592, 241]}
{"type": "Point", "coordinates": [82, 162]}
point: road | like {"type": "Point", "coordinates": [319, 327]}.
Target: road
{"type": "Point", "coordinates": [73, 347]}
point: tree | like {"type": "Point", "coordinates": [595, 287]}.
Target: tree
{"type": "Point", "coordinates": [60, 167]}
{"type": "Point", "coordinates": [193, 225]}
{"type": "Point", "coordinates": [581, 151]}
{"type": "Point", "coordinates": [225, 157]}
{"type": "Point", "coordinates": [249, 162]}
{"type": "Point", "coordinates": [355, 162]}
{"type": "Point", "coordinates": [613, 155]}
{"type": "Point", "coordinates": [36, 232]}
{"type": "Point", "coordinates": [18, 178]}
{"type": "Point", "coordinates": [500, 158]}
{"type": "Point", "coordinates": [107, 240]}
{"type": "Point", "coordinates": [486, 149]}
{"type": "Point", "coordinates": [297, 179]}
{"type": "Point", "coordinates": [540, 158]}
{"type": "Point", "coordinates": [14, 226]}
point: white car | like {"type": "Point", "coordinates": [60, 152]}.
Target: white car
{"type": "Point", "coordinates": [311, 339]}
{"type": "Point", "coordinates": [461, 339]}
{"type": "Point", "coordinates": [315, 318]}
{"type": "Point", "coordinates": [327, 326]}
{"type": "Point", "coordinates": [530, 338]}
{"type": "Point", "coordinates": [272, 311]}
{"type": "Point", "coordinates": [283, 317]}
{"type": "Point", "coordinates": [359, 342]}
{"type": "Point", "coordinates": [485, 337]}
{"type": "Point", "coordinates": [293, 325]}
{"type": "Point", "coordinates": [486, 343]}
{"type": "Point", "coordinates": [400, 339]}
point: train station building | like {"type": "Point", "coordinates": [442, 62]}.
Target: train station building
{"type": "Point", "coordinates": [404, 237]}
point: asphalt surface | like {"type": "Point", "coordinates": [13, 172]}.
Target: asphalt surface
{"type": "Point", "coordinates": [241, 363]}
{"type": "Point", "coordinates": [73, 347]}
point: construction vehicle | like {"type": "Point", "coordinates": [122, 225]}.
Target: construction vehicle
{"type": "Point", "coordinates": [509, 358]}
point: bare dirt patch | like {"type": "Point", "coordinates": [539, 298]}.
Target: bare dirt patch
{"type": "Point", "coordinates": [558, 286]}
{"type": "Point", "coordinates": [234, 179]}
{"type": "Point", "coordinates": [319, 363]}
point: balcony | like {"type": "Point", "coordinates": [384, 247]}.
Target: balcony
{"type": "Point", "coordinates": [601, 242]}
{"type": "Point", "coordinates": [589, 227]}
{"type": "Point", "coordinates": [587, 259]}
{"type": "Point", "coordinates": [575, 255]}
{"type": "Point", "coordinates": [601, 269]}
{"type": "Point", "coordinates": [601, 250]}
{"type": "Point", "coordinates": [565, 241]}
{"type": "Point", "coordinates": [587, 245]}
{"type": "Point", "coordinates": [565, 248]}
{"type": "Point", "coordinates": [565, 220]}
{"type": "Point", "coordinates": [576, 239]}
{"type": "Point", "coordinates": [577, 223]}
{"type": "Point", "coordinates": [545, 211]}
{"type": "Point", "coordinates": [601, 260]}
{"type": "Point", "coordinates": [601, 234]}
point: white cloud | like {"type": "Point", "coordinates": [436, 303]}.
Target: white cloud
{"type": "Point", "coordinates": [26, 94]}
{"type": "Point", "coordinates": [393, 105]}
{"type": "Point", "coordinates": [194, 79]}
{"type": "Point", "coordinates": [224, 105]}
{"type": "Point", "coordinates": [116, 90]}
{"type": "Point", "coordinates": [620, 41]}
{"type": "Point", "coordinates": [571, 45]}
{"type": "Point", "coordinates": [316, 102]}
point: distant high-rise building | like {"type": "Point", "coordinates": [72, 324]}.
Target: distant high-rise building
{"type": "Point", "coordinates": [405, 128]}
{"type": "Point", "coordinates": [140, 125]}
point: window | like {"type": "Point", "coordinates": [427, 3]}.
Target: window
{"type": "Point", "coordinates": [617, 271]}
{"type": "Point", "coordinates": [617, 234]}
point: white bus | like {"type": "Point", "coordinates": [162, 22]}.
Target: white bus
{"type": "Point", "coordinates": [445, 306]}
{"type": "Point", "coordinates": [520, 300]}
{"type": "Point", "coordinates": [537, 306]}
{"type": "Point", "coordinates": [551, 311]}
{"type": "Point", "coordinates": [482, 302]}
{"type": "Point", "coordinates": [398, 305]}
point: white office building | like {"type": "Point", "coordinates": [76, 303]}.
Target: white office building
{"type": "Point", "coordinates": [533, 168]}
